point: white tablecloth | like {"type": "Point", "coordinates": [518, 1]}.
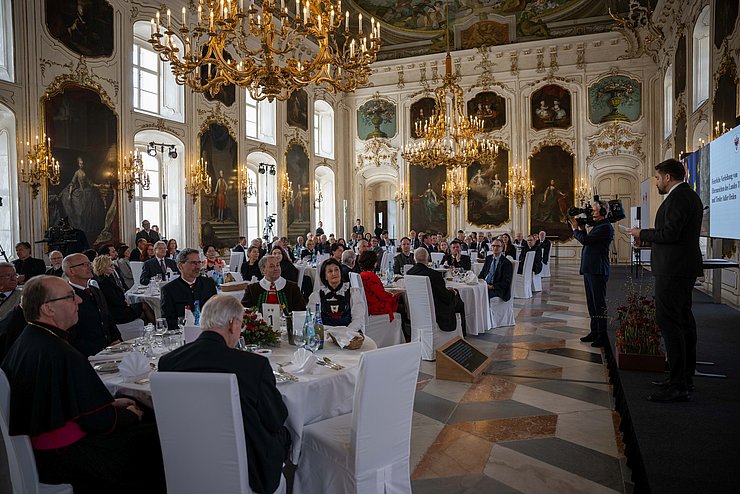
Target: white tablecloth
{"type": "Point", "coordinates": [149, 295]}
{"type": "Point", "coordinates": [322, 394]}
{"type": "Point", "coordinates": [307, 270]}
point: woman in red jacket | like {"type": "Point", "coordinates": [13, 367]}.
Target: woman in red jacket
{"type": "Point", "coordinates": [378, 300]}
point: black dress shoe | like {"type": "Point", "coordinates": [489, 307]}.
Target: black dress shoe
{"type": "Point", "coordinates": [669, 395]}
{"type": "Point", "coordinates": [600, 343]}
{"type": "Point", "coordinates": [590, 337]}
{"type": "Point", "coordinates": [665, 383]}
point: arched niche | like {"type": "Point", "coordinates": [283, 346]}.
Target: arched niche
{"type": "Point", "coordinates": [9, 214]}
{"type": "Point", "coordinates": [262, 164]}
{"type": "Point", "coordinates": [325, 186]}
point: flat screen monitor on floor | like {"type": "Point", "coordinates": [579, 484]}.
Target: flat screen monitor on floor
{"type": "Point", "coordinates": [724, 193]}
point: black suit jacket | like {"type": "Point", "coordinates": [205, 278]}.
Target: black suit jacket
{"type": "Point", "coordinates": [464, 262]}
{"type": "Point", "coordinates": [546, 246]}
{"type": "Point", "coordinates": [293, 296]}
{"type": "Point", "coordinates": [120, 310]}
{"type": "Point", "coordinates": [501, 277]}
{"type": "Point", "coordinates": [675, 237]}
{"type": "Point", "coordinates": [177, 294]}
{"type": "Point", "coordinates": [151, 268]}
{"type": "Point", "coordinates": [11, 326]}
{"type": "Point", "coordinates": [29, 267]}
{"type": "Point", "coordinates": [135, 255]}
{"type": "Point", "coordinates": [95, 328]}
{"type": "Point", "coordinates": [537, 265]}
{"type": "Point", "coordinates": [595, 253]}
{"type": "Point", "coordinates": [444, 299]}
{"type": "Point", "coordinates": [150, 237]}
{"type": "Point", "coordinates": [263, 410]}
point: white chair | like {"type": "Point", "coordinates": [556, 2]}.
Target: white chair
{"type": "Point", "coordinates": [437, 256]}
{"type": "Point", "coordinates": [545, 270]}
{"type": "Point", "coordinates": [522, 285]}
{"type": "Point", "coordinates": [22, 465]}
{"type": "Point", "coordinates": [537, 282]}
{"type": "Point", "coordinates": [201, 432]}
{"type": "Point", "coordinates": [131, 330]}
{"type": "Point", "coordinates": [235, 261]}
{"type": "Point", "coordinates": [237, 276]}
{"type": "Point", "coordinates": [136, 268]}
{"type": "Point", "coordinates": [502, 313]}
{"type": "Point", "coordinates": [190, 333]}
{"type": "Point", "coordinates": [424, 327]}
{"type": "Point", "coordinates": [378, 327]}
{"type": "Point", "coordinates": [365, 451]}
{"type": "Point", "coordinates": [320, 260]}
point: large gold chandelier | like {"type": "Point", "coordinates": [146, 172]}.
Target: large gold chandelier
{"type": "Point", "coordinates": [449, 140]}
{"type": "Point", "coordinates": [266, 49]}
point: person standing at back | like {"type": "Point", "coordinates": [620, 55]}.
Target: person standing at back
{"type": "Point", "coordinates": [676, 263]}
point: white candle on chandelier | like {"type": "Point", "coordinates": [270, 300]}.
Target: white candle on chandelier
{"type": "Point", "coordinates": [200, 13]}
{"type": "Point", "coordinates": [184, 18]}
{"type": "Point", "coordinates": [151, 22]}
{"type": "Point", "coordinates": [211, 20]}
{"type": "Point", "coordinates": [346, 20]}
{"type": "Point", "coordinates": [359, 20]}
{"type": "Point", "coordinates": [169, 19]}
{"type": "Point", "coordinates": [297, 10]}
{"type": "Point", "coordinates": [305, 14]}
{"type": "Point", "coordinates": [157, 21]}
{"type": "Point", "coordinates": [331, 19]}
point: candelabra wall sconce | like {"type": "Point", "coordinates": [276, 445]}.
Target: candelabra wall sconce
{"type": "Point", "coordinates": [402, 197]}
{"type": "Point", "coordinates": [133, 174]}
{"type": "Point", "coordinates": [520, 187]}
{"type": "Point", "coordinates": [246, 186]}
{"type": "Point", "coordinates": [39, 165]}
{"type": "Point", "coordinates": [200, 180]}
{"type": "Point", "coordinates": [583, 192]}
{"type": "Point", "coordinates": [318, 196]}
{"type": "Point", "coordinates": [286, 191]}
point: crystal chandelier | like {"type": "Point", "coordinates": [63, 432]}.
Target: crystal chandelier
{"type": "Point", "coordinates": [449, 140]}
{"type": "Point", "coordinates": [454, 188]}
{"type": "Point", "coordinates": [133, 174]}
{"type": "Point", "coordinates": [39, 165]}
{"type": "Point", "coordinates": [200, 180]}
{"type": "Point", "coordinates": [286, 190]}
{"type": "Point", "coordinates": [264, 48]}
{"type": "Point", "coordinates": [520, 187]}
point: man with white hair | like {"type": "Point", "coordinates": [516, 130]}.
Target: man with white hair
{"type": "Point", "coordinates": [263, 410]}
{"type": "Point", "coordinates": [348, 264]}
{"type": "Point", "coordinates": [55, 258]}
{"type": "Point", "coordinates": [273, 288]}
{"type": "Point", "coordinates": [158, 265]}
{"type": "Point", "coordinates": [545, 245]}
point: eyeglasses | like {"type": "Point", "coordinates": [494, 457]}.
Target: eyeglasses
{"type": "Point", "coordinates": [70, 295]}
{"type": "Point", "coordinates": [87, 264]}
{"type": "Point", "coordinates": [497, 246]}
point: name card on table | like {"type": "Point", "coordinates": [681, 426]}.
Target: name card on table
{"type": "Point", "coordinates": [271, 314]}
{"type": "Point", "coordinates": [458, 360]}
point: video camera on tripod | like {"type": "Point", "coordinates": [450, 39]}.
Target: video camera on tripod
{"type": "Point", "coordinates": [64, 238]}
{"type": "Point", "coordinates": [267, 232]}
{"type": "Point", "coordinates": [614, 212]}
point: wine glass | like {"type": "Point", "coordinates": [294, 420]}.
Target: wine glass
{"type": "Point", "coordinates": [312, 343]}
{"type": "Point", "coordinates": [241, 344]}
{"type": "Point", "coordinates": [181, 323]}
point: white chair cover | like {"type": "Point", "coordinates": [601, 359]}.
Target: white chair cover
{"type": "Point", "coordinates": [320, 260]}
{"type": "Point", "coordinates": [384, 261]}
{"type": "Point", "coordinates": [502, 313]}
{"type": "Point", "coordinates": [366, 452]}
{"type": "Point", "coordinates": [237, 276]}
{"type": "Point", "coordinates": [378, 327]}
{"type": "Point", "coordinates": [522, 285]}
{"type": "Point", "coordinates": [545, 270]}
{"type": "Point", "coordinates": [131, 330]}
{"type": "Point", "coordinates": [301, 271]}
{"type": "Point", "coordinates": [136, 268]}
{"type": "Point", "coordinates": [201, 432]}
{"type": "Point", "coordinates": [537, 282]}
{"type": "Point", "coordinates": [235, 261]}
{"type": "Point", "coordinates": [190, 333]}
{"type": "Point", "coordinates": [22, 465]}
{"type": "Point", "coordinates": [424, 327]}
{"type": "Point", "coordinates": [437, 256]}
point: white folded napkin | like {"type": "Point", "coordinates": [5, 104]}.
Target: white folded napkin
{"type": "Point", "coordinates": [303, 362]}
{"type": "Point", "coordinates": [343, 336]}
{"type": "Point", "coordinates": [134, 365]}
{"type": "Point", "coordinates": [106, 357]}
{"type": "Point", "coordinates": [471, 278]}
{"type": "Point", "coordinates": [189, 318]}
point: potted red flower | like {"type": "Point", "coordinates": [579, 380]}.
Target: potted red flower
{"type": "Point", "coordinates": [638, 335]}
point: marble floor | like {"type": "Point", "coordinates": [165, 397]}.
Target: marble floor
{"type": "Point", "coordinates": [540, 420]}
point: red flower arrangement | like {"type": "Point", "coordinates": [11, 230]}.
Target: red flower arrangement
{"type": "Point", "coordinates": [638, 332]}
{"type": "Point", "coordinates": [256, 331]}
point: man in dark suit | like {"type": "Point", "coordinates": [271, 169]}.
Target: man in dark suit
{"type": "Point", "coordinates": [140, 247]}
{"type": "Point", "coordinates": [26, 267]}
{"type": "Point", "coordinates": [455, 259]}
{"type": "Point", "coordinates": [263, 410]}
{"type": "Point", "coordinates": [157, 265]}
{"type": "Point", "coordinates": [187, 289]}
{"type": "Point", "coordinates": [545, 245]}
{"type": "Point", "coordinates": [241, 246]}
{"type": "Point", "coordinates": [273, 288]}
{"type": "Point", "coordinates": [498, 273]}
{"type": "Point", "coordinates": [676, 263]}
{"type": "Point", "coordinates": [447, 302]}
{"type": "Point", "coordinates": [10, 294]}
{"type": "Point", "coordinates": [147, 234]}
{"type": "Point", "coordinates": [55, 259]}
{"type": "Point", "coordinates": [358, 228]}
{"type": "Point", "coordinates": [595, 269]}
{"type": "Point", "coordinates": [95, 328]}
{"type": "Point", "coordinates": [527, 246]}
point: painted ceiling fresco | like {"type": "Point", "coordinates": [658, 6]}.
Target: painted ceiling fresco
{"type": "Point", "coordinates": [416, 27]}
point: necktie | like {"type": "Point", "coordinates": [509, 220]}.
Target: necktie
{"type": "Point", "coordinates": [118, 280]}
{"type": "Point", "coordinates": [162, 266]}
{"type": "Point", "coordinates": [272, 296]}
{"type": "Point", "coordinates": [489, 278]}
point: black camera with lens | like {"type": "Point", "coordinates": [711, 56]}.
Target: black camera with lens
{"type": "Point", "coordinates": [614, 211]}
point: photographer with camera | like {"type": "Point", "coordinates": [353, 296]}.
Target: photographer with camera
{"type": "Point", "coordinates": [595, 265]}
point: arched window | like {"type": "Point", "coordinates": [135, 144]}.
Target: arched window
{"type": "Point", "coordinates": [324, 186]}
{"type": "Point", "coordinates": [7, 71]}
{"type": "Point", "coordinates": [164, 203]}
{"type": "Point", "coordinates": [260, 119]}
{"type": "Point", "coordinates": [266, 198]}
{"type": "Point", "coordinates": [253, 230]}
{"type": "Point", "coordinates": [154, 86]}
{"type": "Point", "coordinates": [323, 129]}
{"type": "Point", "coordinates": [9, 233]}
{"type": "Point", "coordinates": [668, 102]}
{"type": "Point", "coordinates": [700, 73]}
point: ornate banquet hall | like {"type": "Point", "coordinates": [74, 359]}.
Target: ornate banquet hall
{"type": "Point", "coordinates": [215, 120]}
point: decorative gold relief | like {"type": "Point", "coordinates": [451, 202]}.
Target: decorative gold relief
{"type": "Point", "coordinates": [616, 139]}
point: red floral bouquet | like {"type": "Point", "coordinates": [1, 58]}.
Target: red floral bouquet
{"type": "Point", "coordinates": [638, 332]}
{"type": "Point", "coordinates": [256, 331]}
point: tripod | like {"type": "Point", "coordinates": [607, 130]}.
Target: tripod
{"type": "Point", "coordinates": [2, 253]}
{"type": "Point", "coordinates": [267, 232]}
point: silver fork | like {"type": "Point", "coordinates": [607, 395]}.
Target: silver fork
{"type": "Point", "coordinates": [287, 375]}
{"type": "Point", "coordinates": [333, 365]}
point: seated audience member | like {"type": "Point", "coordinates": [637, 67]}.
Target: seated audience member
{"type": "Point", "coordinates": [80, 434]}
{"type": "Point", "coordinates": [140, 250]}
{"type": "Point", "coordinates": [545, 245]}
{"type": "Point", "coordinates": [159, 265]}
{"type": "Point", "coordinates": [107, 250]}
{"type": "Point", "coordinates": [55, 259]}
{"type": "Point", "coordinates": [368, 236]}
{"type": "Point", "coordinates": [461, 238]}
{"type": "Point", "coordinates": [240, 246]}
{"type": "Point", "coordinates": [298, 247]}
{"type": "Point", "coordinates": [147, 253]}
{"type": "Point", "coordinates": [11, 326]}
{"type": "Point", "coordinates": [309, 252]}
{"type": "Point", "coordinates": [96, 328]}
{"type": "Point", "coordinates": [290, 272]}
{"type": "Point", "coordinates": [509, 248]}
{"type": "Point", "coordinates": [519, 239]}
{"type": "Point", "coordinates": [455, 259]}
{"type": "Point", "coordinates": [172, 250]}
{"type": "Point", "coordinates": [378, 300]}
{"type": "Point", "coordinates": [342, 242]}
{"type": "Point", "coordinates": [447, 302]}
{"type": "Point", "coordinates": [338, 308]}
{"type": "Point", "coordinates": [287, 251]}
{"type": "Point", "coordinates": [470, 243]}
{"type": "Point", "coordinates": [362, 246]}
{"type": "Point", "coordinates": [348, 263]}
{"type": "Point", "coordinates": [123, 263]}
{"type": "Point", "coordinates": [498, 272]}
{"type": "Point", "coordinates": [187, 289]}
{"type": "Point", "coordinates": [482, 246]}
{"type": "Point", "coordinates": [323, 245]}
{"type": "Point", "coordinates": [384, 240]}
{"type": "Point", "coordinates": [426, 242]}
{"type": "Point", "coordinates": [250, 269]}
{"type": "Point", "coordinates": [434, 240]}
{"type": "Point", "coordinates": [273, 288]}
{"type": "Point", "coordinates": [528, 245]}
{"type": "Point", "coordinates": [26, 267]}
{"type": "Point", "coordinates": [212, 261]}
{"type": "Point", "coordinates": [416, 239]}
{"type": "Point", "coordinates": [257, 242]}
{"type": "Point", "coordinates": [10, 294]}
{"type": "Point", "coordinates": [147, 233]}
{"type": "Point", "coordinates": [405, 257]}
{"type": "Point", "coordinates": [90, 254]}
{"type": "Point", "coordinates": [443, 247]}
{"type": "Point", "coordinates": [113, 291]}
{"type": "Point", "coordinates": [263, 410]}
{"type": "Point", "coordinates": [336, 251]}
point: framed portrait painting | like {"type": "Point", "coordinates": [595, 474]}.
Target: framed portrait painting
{"type": "Point", "coordinates": [219, 210]}
{"type": "Point", "coordinates": [421, 110]}
{"type": "Point", "coordinates": [551, 108]}
{"type": "Point", "coordinates": [551, 169]}
{"type": "Point", "coordinates": [297, 110]}
{"type": "Point", "coordinates": [83, 26]}
{"type": "Point", "coordinates": [427, 205]}
{"type": "Point", "coordinates": [487, 203]}
{"type": "Point", "coordinates": [298, 209]}
{"type": "Point", "coordinates": [490, 108]}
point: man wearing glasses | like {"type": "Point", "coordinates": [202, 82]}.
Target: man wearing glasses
{"type": "Point", "coordinates": [10, 295]}
{"type": "Point", "coordinates": [96, 328]}
{"type": "Point", "coordinates": [498, 272]}
{"type": "Point", "coordinates": [187, 289]}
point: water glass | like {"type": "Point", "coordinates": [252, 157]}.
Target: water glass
{"type": "Point", "coordinates": [312, 343]}
{"type": "Point", "coordinates": [241, 344]}
{"type": "Point", "coordinates": [181, 323]}
{"type": "Point", "coordinates": [161, 327]}
{"type": "Point", "coordinates": [299, 319]}
{"type": "Point", "coordinates": [172, 340]}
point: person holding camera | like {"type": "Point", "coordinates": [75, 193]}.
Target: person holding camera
{"type": "Point", "coordinates": [595, 268]}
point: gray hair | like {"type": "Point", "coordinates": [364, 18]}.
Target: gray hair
{"type": "Point", "coordinates": [348, 257]}
{"type": "Point", "coordinates": [421, 255]}
{"type": "Point", "coordinates": [182, 257]}
{"type": "Point", "coordinates": [7, 265]}
{"type": "Point", "coordinates": [160, 242]}
{"type": "Point", "coordinates": [220, 311]}
{"type": "Point", "coordinates": [67, 261]}
{"type": "Point", "coordinates": [263, 261]}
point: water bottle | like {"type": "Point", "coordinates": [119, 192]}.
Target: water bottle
{"type": "Point", "coordinates": [390, 268]}
{"type": "Point", "coordinates": [313, 259]}
{"type": "Point", "coordinates": [319, 326]}
{"type": "Point", "coordinates": [196, 312]}
{"type": "Point", "coordinates": [309, 333]}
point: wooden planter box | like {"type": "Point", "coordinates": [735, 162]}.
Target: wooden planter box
{"type": "Point", "coordinates": [639, 362]}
